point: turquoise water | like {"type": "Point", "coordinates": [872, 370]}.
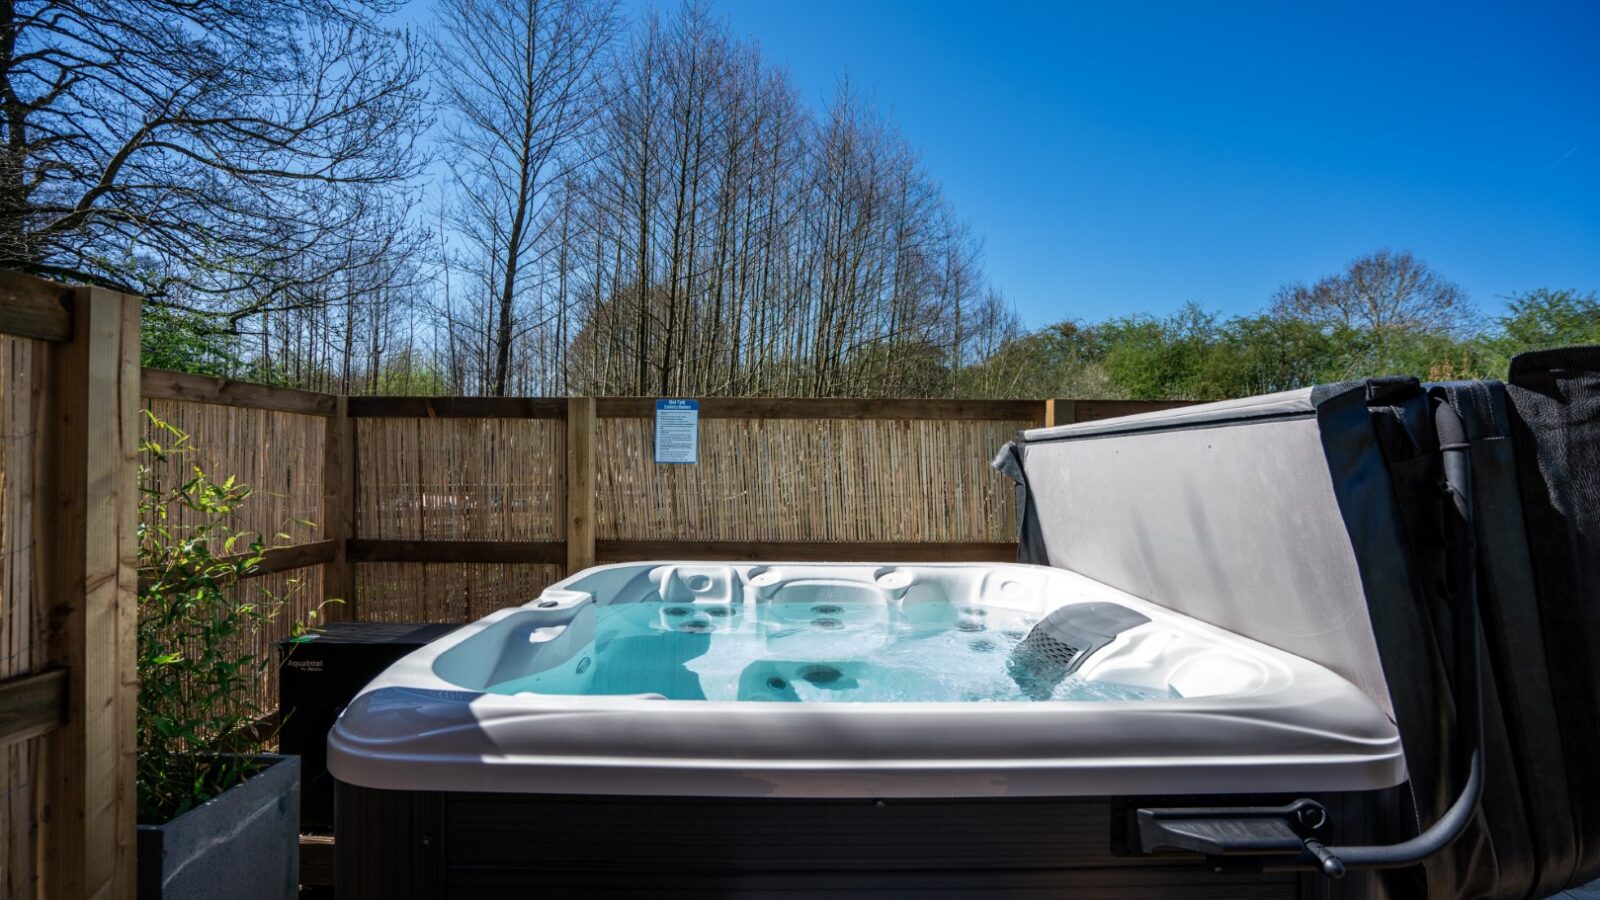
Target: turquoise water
{"type": "Point", "coordinates": [821, 649]}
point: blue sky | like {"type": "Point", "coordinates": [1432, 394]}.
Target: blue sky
{"type": "Point", "coordinates": [1123, 157]}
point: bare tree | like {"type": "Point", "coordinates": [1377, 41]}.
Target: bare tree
{"type": "Point", "coordinates": [1380, 293]}
{"type": "Point", "coordinates": [519, 76]}
{"type": "Point", "coordinates": [666, 218]}
{"type": "Point", "coordinates": [205, 152]}
{"type": "Point", "coordinates": [347, 331]}
{"type": "Point", "coordinates": [732, 242]}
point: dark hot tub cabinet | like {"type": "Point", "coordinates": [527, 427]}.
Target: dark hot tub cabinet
{"type": "Point", "coordinates": [1335, 643]}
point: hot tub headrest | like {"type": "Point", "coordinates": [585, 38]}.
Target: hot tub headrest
{"type": "Point", "coordinates": [1063, 640]}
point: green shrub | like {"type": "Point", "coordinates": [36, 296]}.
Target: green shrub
{"type": "Point", "coordinates": [197, 662]}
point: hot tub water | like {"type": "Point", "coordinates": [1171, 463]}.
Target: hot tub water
{"type": "Point", "coordinates": [826, 645]}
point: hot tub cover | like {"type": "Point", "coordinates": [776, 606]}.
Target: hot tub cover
{"type": "Point", "coordinates": [1328, 500]}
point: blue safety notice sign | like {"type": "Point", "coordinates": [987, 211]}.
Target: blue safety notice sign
{"type": "Point", "coordinates": [678, 431]}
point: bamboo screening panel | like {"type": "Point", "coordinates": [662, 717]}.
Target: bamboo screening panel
{"type": "Point", "coordinates": [277, 454]}
{"type": "Point", "coordinates": [460, 479]}
{"type": "Point", "coordinates": [808, 480]}
{"type": "Point", "coordinates": [296, 595]}
{"type": "Point", "coordinates": [446, 592]}
{"type": "Point", "coordinates": [22, 625]}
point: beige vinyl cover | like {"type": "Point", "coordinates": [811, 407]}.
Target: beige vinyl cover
{"type": "Point", "coordinates": [1227, 512]}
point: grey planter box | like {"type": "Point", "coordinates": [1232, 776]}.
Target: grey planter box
{"type": "Point", "coordinates": [243, 844]}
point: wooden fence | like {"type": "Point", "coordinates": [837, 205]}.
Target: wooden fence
{"type": "Point", "coordinates": [446, 508]}
{"type": "Point", "coordinates": [69, 382]}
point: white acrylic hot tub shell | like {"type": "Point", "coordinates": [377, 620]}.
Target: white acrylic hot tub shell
{"type": "Point", "coordinates": [1252, 718]}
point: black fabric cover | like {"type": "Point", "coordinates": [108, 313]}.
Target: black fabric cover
{"type": "Point", "coordinates": [1555, 427]}
{"type": "Point", "coordinates": [1519, 691]}
{"type": "Point", "coordinates": [1494, 857]}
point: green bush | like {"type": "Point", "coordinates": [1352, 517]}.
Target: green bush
{"type": "Point", "coordinates": [186, 342]}
{"type": "Point", "coordinates": [198, 669]}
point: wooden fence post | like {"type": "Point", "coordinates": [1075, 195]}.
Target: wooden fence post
{"type": "Point", "coordinates": [1060, 412]}
{"type": "Point", "coordinates": [91, 585]}
{"type": "Point", "coordinates": [580, 483]}
{"type": "Point", "coordinates": [338, 509]}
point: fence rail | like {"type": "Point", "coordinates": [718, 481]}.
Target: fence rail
{"type": "Point", "coordinates": [35, 308]}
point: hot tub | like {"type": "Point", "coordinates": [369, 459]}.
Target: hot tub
{"type": "Point", "coordinates": [938, 718]}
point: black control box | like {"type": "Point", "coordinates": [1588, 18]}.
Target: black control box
{"type": "Point", "coordinates": [318, 674]}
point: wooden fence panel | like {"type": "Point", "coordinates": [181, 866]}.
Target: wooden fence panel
{"type": "Point", "coordinates": [22, 617]}
{"type": "Point", "coordinates": [281, 456]}
{"type": "Point", "coordinates": [277, 454]}
{"type": "Point", "coordinates": [457, 479]}
{"type": "Point", "coordinates": [69, 381]}
{"type": "Point", "coordinates": [446, 592]}
{"type": "Point", "coordinates": [869, 480]}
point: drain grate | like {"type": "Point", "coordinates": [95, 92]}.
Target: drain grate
{"type": "Point", "coordinates": [825, 622]}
